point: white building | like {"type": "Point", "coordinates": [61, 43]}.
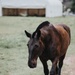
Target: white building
{"type": "Point", "coordinates": [53, 8]}
{"type": "Point", "coordinates": [0, 9]}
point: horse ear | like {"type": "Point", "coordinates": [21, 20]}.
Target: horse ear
{"type": "Point", "coordinates": [38, 34]}
{"type": "Point", "coordinates": [27, 34]}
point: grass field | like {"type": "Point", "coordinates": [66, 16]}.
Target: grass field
{"type": "Point", "coordinates": [13, 49]}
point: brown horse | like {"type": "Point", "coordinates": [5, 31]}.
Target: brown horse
{"type": "Point", "coordinates": [48, 42]}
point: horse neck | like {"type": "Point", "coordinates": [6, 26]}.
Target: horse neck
{"type": "Point", "coordinates": [47, 35]}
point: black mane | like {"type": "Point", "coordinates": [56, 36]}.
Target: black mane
{"type": "Point", "coordinates": [45, 23]}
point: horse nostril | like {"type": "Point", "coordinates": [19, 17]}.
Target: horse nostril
{"type": "Point", "coordinates": [34, 64]}
{"type": "Point", "coordinates": [31, 64]}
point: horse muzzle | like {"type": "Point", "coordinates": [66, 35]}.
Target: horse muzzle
{"type": "Point", "coordinates": [32, 64]}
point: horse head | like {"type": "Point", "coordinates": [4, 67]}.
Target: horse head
{"type": "Point", "coordinates": [35, 47]}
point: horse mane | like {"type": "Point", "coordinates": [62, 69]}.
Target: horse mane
{"type": "Point", "coordinates": [45, 23]}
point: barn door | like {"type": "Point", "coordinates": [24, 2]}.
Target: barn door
{"type": "Point", "coordinates": [10, 12]}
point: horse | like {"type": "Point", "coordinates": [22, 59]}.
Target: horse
{"type": "Point", "coordinates": [48, 42]}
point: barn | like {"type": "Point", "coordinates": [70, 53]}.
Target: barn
{"type": "Point", "coordinates": [47, 8]}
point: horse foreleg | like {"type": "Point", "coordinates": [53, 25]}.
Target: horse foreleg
{"type": "Point", "coordinates": [45, 67]}
{"type": "Point", "coordinates": [61, 64]}
{"type": "Point", "coordinates": [57, 70]}
{"type": "Point", "coordinates": [54, 67]}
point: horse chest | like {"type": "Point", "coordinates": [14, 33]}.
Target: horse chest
{"type": "Point", "coordinates": [49, 54]}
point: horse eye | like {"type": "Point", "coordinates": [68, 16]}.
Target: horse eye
{"type": "Point", "coordinates": [36, 46]}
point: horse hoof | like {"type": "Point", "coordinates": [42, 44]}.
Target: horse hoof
{"type": "Point", "coordinates": [52, 73]}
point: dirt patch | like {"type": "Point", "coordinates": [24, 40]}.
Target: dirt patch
{"type": "Point", "coordinates": [69, 68]}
